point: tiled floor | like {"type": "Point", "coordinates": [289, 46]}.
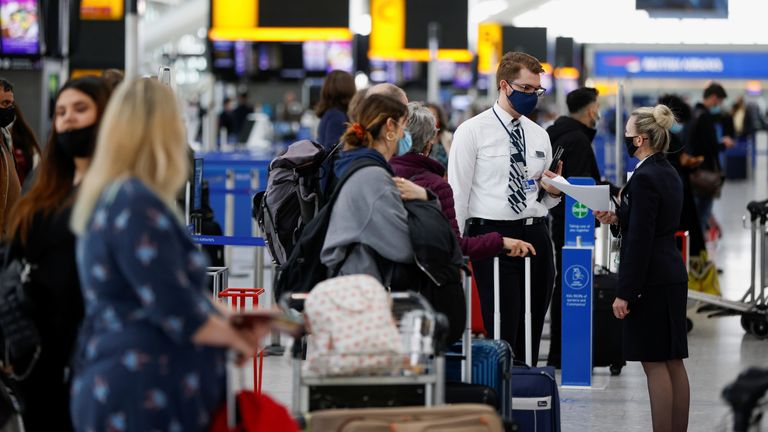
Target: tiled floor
{"type": "Point", "coordinates": [719, 349]}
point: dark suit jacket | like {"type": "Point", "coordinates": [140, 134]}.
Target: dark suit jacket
{"type": "Point", "coordinates": [649, 215]}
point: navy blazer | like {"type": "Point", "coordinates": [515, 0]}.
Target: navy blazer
{"type": "Point", "coordinates": [649, 214]}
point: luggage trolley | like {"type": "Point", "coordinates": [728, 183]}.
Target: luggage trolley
{"type": "Point", "coordinates": [238, 299]}
{"type": "Point", "coordinates": [429, 372]}
{"type": "Point", "coordinates": [752, 307]}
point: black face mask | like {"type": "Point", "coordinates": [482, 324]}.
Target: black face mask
{"type": "Point", "coordinates": [78, 143]}
{"type": "Point", "coordinates": [7, 116]}
{"type": "Point", "coordinates": [629, 142]}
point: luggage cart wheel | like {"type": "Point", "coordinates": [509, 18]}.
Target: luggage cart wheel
{"type": "Point", "coordinates": [689, 324]}
{"type": "Point", "coordinates": [760, 327]}
{"type": "Point", "coordinates": [616, 370]}
{"type": "Point", "coordinates": [746, 324]}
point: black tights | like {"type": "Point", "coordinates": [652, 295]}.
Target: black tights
{"type": "Point", "coordinates": [670, 396]}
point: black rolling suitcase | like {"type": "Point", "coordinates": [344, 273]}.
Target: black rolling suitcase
{"type": "Point", "coordinates": [606, 328]}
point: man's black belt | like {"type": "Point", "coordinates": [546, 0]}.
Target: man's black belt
{"type": "Point", "coordinates": [506, 223]}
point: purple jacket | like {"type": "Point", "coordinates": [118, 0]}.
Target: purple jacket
{"type": "Point", "coordinates": [429, 174]}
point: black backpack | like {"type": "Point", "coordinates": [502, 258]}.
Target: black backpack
{"type": "Point", "coordinates": [295, 193]}
{"type": "Point", "coordinates": [303, 269]}
{"type": "Point", "coordinates": [438, 257]}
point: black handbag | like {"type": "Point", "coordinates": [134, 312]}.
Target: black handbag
{"type": "Point", "coordinates": [706, 183]}
{"type": "Point", "coordinates": [21, 338]}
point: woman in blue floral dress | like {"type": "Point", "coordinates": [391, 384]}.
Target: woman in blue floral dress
{"type": "Point", "coordinates": [151, 351]}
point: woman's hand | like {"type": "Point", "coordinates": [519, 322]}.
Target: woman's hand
{"type": "Point", "coordinates": [689, 161]}
{"type": "Point", "coordinates": [410, 190]}
{"type": "Point", "coordinates": [517, 248]}
{"type": "Point", "coordinates": [246, 341]}
{"type": "Point", "coordinates": [241, 346]}
{"type": "Point", "coordinates": [620, 310]}
{"type": "Point", "coordinates": [606, 217]}
{"type": "Point", "coordinates": [254, 334]}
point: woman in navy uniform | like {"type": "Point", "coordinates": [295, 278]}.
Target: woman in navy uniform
{"type": "Point", "coordinates": [653, 282]}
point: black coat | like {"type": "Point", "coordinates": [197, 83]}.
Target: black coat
{"type": "Point", "coordinates": [55, 293]}
{"type": "Point", "coordinates": [689, 219]}
{"type": "Point", "coordinates": [578, 161]}
{"type": "Point", "coordinates": [702, 138]}
{"type": "Point", "coordinates": [652, 275]}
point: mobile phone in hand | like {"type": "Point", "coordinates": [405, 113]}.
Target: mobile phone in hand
{"type": "Point", "coordinates": [552, 167]}
{"type": "Point", "coordinates": [277, 320]}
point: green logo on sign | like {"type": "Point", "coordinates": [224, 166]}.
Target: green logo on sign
{"type": "Point", "coordinates": [579, 210]}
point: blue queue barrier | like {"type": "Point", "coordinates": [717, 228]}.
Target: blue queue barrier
{"type": "Point", "coordinates": [206, 240]}
{"type": "Point", "coordinates": [577, 277]}
{"type": "Point", "coordinates": [248, 172]}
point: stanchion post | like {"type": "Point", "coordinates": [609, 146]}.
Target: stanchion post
{"type": "Point", "coordinates": [619, 139]}
{"type": "Point", "coordinates": [433, 77]}
{"type": "Point", "coordinates": [131, 39]}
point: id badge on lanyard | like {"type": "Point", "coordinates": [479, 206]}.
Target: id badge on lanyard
{"type": "Point", "coordinates": [530, 186]}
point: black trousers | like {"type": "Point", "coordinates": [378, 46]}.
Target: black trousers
{"type": "Point", "coordinates": [556, 311]}
{"type": "Point", "coordinates": [512, 285]}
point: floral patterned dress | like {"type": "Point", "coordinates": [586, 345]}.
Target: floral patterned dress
{"type": "Point", "coordinates": [137, 368]}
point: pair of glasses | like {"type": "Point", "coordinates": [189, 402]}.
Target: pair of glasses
{"type": "Point", "coordinates": [530, 89]}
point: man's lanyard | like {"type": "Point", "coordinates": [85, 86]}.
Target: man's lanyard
{"type": "Point", "coordinates": [514, 141]}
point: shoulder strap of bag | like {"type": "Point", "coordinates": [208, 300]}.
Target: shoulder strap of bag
{"type": "Point", "coordinates": [353, 167]}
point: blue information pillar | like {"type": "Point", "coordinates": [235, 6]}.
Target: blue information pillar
{"type": "Point", "coordinates": [576, 276]}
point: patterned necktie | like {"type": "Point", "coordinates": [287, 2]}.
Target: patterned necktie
{"type": "Point", "coordinates": [517, 175]}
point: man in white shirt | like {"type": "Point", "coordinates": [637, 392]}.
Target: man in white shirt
{"type": "Point", "coordinates": [495, 167]}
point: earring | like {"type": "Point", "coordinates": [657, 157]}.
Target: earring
{"type": "Point", "coordinates": [390, 136]}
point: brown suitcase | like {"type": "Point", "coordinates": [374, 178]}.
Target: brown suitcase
{"type": "Point", "coordinates": [454, 418]}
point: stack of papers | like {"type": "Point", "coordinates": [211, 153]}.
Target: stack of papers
{"type": "Point", "coordinates": [597, 198]}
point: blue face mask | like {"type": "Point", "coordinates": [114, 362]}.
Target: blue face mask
{"type": "Point", "coordinates": [676, 128]}
{"type": "Point", "coordinates": [523, 103]}
{"type": "Point", "coordinates": [715, 110]}
{"type": "Point", "coordinates": [404, 144]}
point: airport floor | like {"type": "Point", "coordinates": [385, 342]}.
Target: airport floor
{"type": "Point", "coordinates": [719, 348]}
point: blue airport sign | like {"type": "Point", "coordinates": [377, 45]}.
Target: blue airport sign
{"type": "Point", "coordinates": [681, 64]}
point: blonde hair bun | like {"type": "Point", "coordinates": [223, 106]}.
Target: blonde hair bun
{"type": "Point", "coordinates": [663, 116]}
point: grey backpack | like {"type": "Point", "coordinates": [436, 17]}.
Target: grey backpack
{"type": "Point", "coordinates": [294, 195]}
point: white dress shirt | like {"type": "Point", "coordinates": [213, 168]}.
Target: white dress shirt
{"type": "Point", "coordinates": [479, 164]}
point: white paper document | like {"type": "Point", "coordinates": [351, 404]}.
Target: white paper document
{"type": "Point", "coordinates": [597, 198]}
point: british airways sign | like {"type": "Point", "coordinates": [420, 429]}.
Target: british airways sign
{"type": "Point", "coordinates": [664, 64]}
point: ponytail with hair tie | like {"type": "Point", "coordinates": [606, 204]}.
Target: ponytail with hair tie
{"type": "Point", "coordinates": [357, 128]}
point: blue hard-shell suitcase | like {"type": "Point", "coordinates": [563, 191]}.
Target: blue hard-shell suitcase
{"type": "Point", "coordinates": [535, 399]}
{"type": "Point", "coordinates": [491, 363]}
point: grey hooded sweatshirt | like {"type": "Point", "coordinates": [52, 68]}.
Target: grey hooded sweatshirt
{"type": "Point", "coordinates": [368, 215]}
